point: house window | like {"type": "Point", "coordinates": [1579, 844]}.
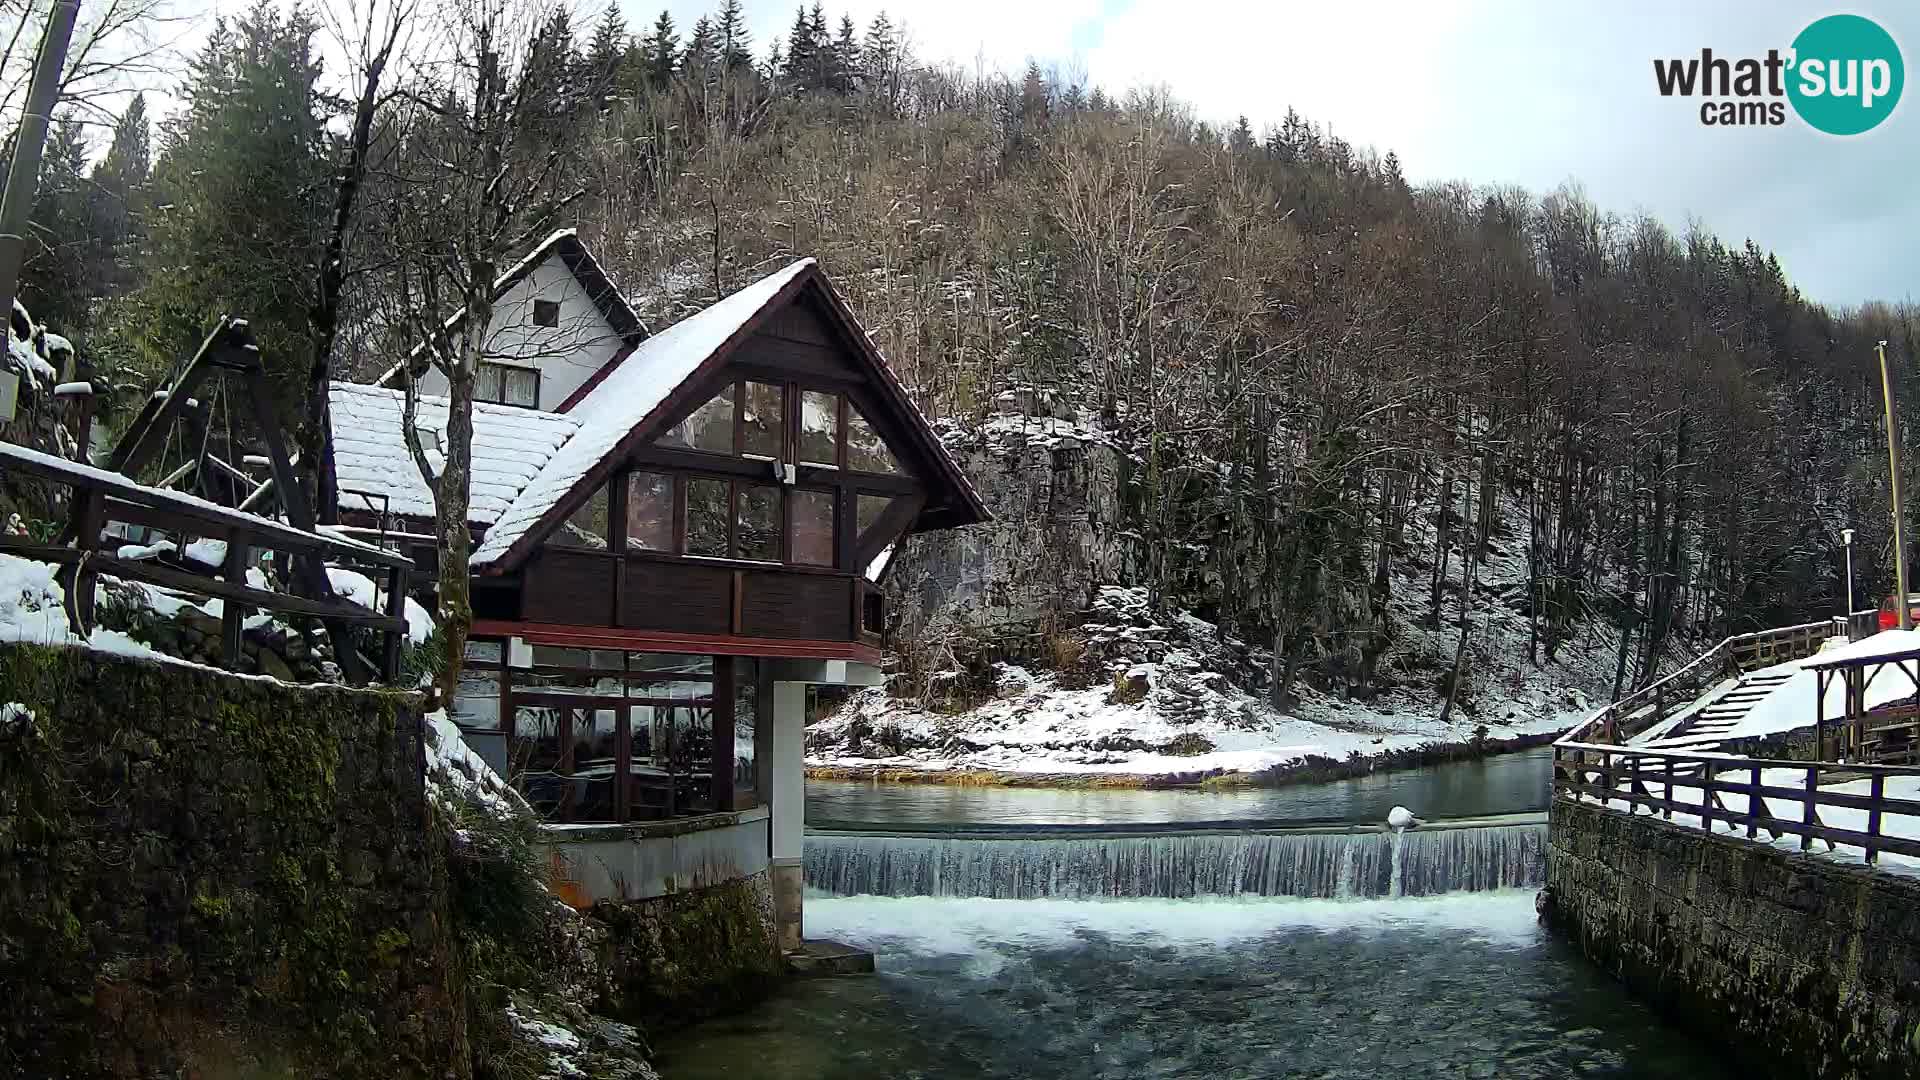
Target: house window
{"type": "Point", "coordinates": [761, 430]}
{"type": "Point", "coordinates": [707, 513]}
{"type": "Point", "coordinates": [819, 429]}
{"type": "Point", "coordinates": [649, 511]}
{"type": "Point", "coordinates": [586, 527]}
{"type": "Point", "coordinates": [812, 527]}
{"type": "Point", "coordinates": [866, 450]}
{"type": "Point", "coordinates": [758, 532]}
{"type": "Point", "coordinates": [710, 427]}
{"type": "Point", "coordinates": [546, 313]}
{"type": "Point", "coordinates": [503, 384]}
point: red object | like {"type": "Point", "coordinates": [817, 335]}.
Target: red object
{"type": "Point", "coordinates": [1890, 616]}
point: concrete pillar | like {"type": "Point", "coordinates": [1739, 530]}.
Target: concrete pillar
{"type": "Point", "coordinates": [789, 808]}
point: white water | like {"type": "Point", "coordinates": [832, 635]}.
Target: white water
{"type": "Point", "coordinates": [1422, 862]}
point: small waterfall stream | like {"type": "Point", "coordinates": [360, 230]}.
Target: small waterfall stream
{"type": "Point", "coordinates": [1349, 863]}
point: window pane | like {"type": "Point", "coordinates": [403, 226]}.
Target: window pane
{"type": "Point", "coordinates": [710, 427]}
{"type": "Point", "coordinates": [762, 424]}
{"type": "Point", "coordinates": [522, 387]}
{"type": "Point", "coordinates": [759, 522]}
{"type": "Point", "coordinates": [535, 757]}
{"type": "Point", "coordinates": [586, 527]}
{"type": "Point", "coordinates": [813, 527]}
{"type": "Point", "coordinates": [746, 715]}
{"type": "Point", "coordinates": [819, 428]}
{"type": "Point", "coordinates": [690, 758]}
{"type": "Point", "coordinates": [487, 382]}
{"type": "Point", "coordinates": [650, 511]}
{"type": "Point", "coordinates": [595, 735]}
{"type": "Point", "coordinates": [706, 517]}
{"type": "Point", "coordinates": [677, 663]}
{"type": "Point", "coordinates": [866, 451]}
{"type": "Point", "coordinates": [868, 511]}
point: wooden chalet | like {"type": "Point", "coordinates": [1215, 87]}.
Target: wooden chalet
{"type": "Point", "coordinates": [671, 549]}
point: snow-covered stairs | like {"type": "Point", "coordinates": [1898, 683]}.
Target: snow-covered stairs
{"type": "Point", "coordinates": [1726, 710]}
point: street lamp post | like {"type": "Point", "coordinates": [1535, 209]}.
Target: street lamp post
{"type": "Point", "coordinates": [1846, 538]}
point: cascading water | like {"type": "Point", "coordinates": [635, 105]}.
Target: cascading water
{"type": "Point", "coordinates": [1367, 863]}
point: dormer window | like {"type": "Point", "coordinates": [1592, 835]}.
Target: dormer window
{"type": "Point", "coordinates": [546, 313]}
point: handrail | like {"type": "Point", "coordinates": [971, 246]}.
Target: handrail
{"type": "Point", "coordinates": [1658, 778]}
{"type": "Point", "coordinates": [1803, 634]}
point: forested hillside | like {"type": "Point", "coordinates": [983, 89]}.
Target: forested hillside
{"type": "Point", "coordinates": [1254, 373]}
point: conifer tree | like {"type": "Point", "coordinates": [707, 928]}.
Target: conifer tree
{"type": "Point", "coordinates": [802, 50]}
{"type": "Point", "coordinates": [241, 194]}
{"type": "Point", "coordinates": [58, 277]}
{"type": "Point", "coordinates": [117, 195]}
{"type": "Point", "coordinates": [846, 58]}
{"type": "Point", "coordinates": [702, 58]}
{"type": "Point", "coordinates": [607, 52]}
{"type": "Point", "coordinates": [735, 44]}
{"type": "Point", "coordinates": [662, 48]}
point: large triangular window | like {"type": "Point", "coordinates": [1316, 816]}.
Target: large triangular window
{"type": "Point", "coordinates": [866, 450]}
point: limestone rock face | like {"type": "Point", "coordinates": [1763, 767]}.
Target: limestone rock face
{"type": "Point", "coordinates": [1052, 483]}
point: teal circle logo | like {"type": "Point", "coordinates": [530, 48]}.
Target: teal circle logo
{"type": "Point", "coordinates": [1846, 76]}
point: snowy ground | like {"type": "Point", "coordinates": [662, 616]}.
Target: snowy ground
{"type": "Point", "coordinates": [1195, 722]}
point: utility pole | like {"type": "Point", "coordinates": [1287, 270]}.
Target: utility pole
{"type": "Point", "coordinates": [24, 174]}
{"type": "Point", "coordinates": [1893, 465]}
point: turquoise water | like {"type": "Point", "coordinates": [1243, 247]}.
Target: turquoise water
{"type": "Point", "coordinates": [1463, 985]}
{"type": "Point", "coordinates": [1508, 783]}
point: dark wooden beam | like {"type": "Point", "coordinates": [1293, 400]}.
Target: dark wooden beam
{"type": "Point", "coordinates": [887, 528]}
{"type": "Point", "coordinates": [186, 581]}
{"type": "Point", "coordinates": [148, 432]}
{"type": "Point", "coordinates": [233, 613]}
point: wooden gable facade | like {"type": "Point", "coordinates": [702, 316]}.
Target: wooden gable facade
{"type": "Point", "coordinates": [752, 512]}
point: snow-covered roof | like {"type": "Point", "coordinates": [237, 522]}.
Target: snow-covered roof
{"type": "Point", "coordinates": [1883, 645]}
{"type": "Point", "coordinates": [510, 447]}
{"type": "Point", "coordinates": [626, 397]}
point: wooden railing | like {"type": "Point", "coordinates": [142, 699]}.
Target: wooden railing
{"type": "Point", "coordinates": [1621, 720]}
{"type": "Point", "coordinates": [1658, 780]}
{"type": "Point", "coordinates": [101, 497]}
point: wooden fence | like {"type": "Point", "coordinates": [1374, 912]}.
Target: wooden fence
{"type": "Point", "coordinates": [101, 497]}
{"type": "Point", "coordinates": [1653, 778]}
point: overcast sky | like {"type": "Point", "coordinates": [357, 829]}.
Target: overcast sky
{"type": "Point", "coordinates": [1517, 92]}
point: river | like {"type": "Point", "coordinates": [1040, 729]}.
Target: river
{"type": "Point", "coordinates": [1100, 934]}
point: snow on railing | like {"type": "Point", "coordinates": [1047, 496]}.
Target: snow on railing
{"type": "Point", "coordinates": [1854, 809]}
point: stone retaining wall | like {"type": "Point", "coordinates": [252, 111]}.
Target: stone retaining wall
{"type": "Point", "coordinates": [204, 875]}
{"type": "Point", "coordinates": [1801, 965]}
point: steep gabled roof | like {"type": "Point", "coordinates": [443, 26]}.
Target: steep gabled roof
{"type": "Point", "coordinates": [564, 244]}
{"type": "Point", "coordinates": [510, 447]}
{"type": "Point", "coordinates": [633, 397]}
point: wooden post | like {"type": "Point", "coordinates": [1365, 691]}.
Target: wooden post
{"type": "Point", "coordinates": [1878, 793]}
{"type": "Point", "coordinates": [1707, 770]}
{"type": "Point", "coordinates": [1666, 812]}
{"type": "Point", "coordinates": [87, 519]}
{"type": "Point", "coordinates": [724, 695]}
{"type": "Point", "coordinates": [397, 609]}
{"type": "Point", "coordinates": [1753, 804]}
{"type": "Point", "coordinates": [1808, 818]}
{"type": "Point", "coordinates": [232, 614]}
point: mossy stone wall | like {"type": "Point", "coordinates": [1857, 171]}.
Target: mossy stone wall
{"type": "Point", "coordinates": [1800, 965]}
{"type": "Point", "coordinates": [202, 875]}
{"type": "Point", "coordinates": [689, 955]}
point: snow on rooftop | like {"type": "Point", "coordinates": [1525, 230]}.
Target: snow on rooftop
{"type": "Point", "coordinates": [629, 392]}
{"type": "Point", "coordinates": [510, 446]}
{"type": "Point", "coordinates": [1884, 643]}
